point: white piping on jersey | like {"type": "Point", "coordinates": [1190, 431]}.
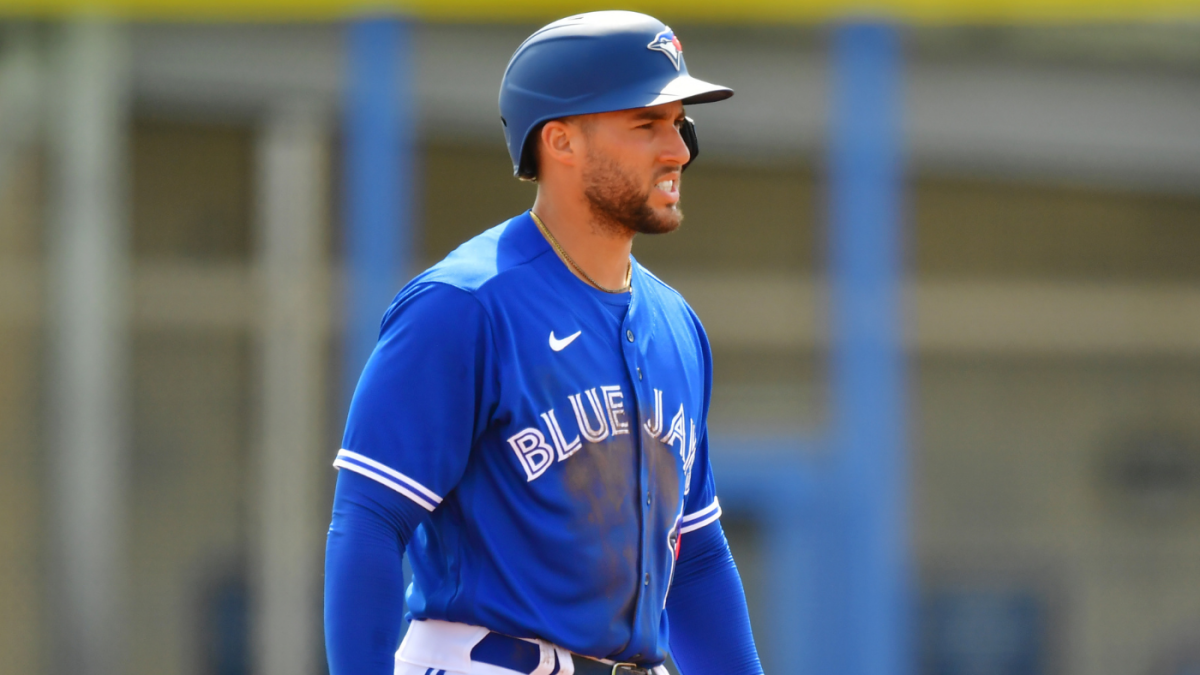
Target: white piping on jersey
{"type": "Point", "coordinates": [429, 500]}
{"type": "Point", "coordinates": [699, 519]}
{"type": "Point", "coordinates": [343, 453]}
{"type": "Point", "coordinates": [343, 464]}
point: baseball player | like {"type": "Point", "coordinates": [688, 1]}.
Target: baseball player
{"type": "Point", "coordinates": [531, 427]}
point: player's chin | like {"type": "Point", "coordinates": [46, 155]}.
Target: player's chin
{"type": "Point", "coordinates": [666, 218]}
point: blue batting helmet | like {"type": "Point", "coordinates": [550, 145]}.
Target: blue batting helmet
{"type": "Point", "coordinates": [592, 63]}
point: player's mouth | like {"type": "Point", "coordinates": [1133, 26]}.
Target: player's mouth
{"type": "Point", "coordinates": [669, 187]}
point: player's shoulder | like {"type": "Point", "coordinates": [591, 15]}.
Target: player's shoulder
{"type": "Point", "coordinates": [456, 282]}
{"type": "Point", "coordinates": [675, 314]}
{"type": "Point", "coordinates": [657, 284]}
{"type": "Point", "coordinates": [663, 291]}
{"type": "Point", "coordinates": [667, 297]}
{"type": "Point", "coordinates": [485, 257]}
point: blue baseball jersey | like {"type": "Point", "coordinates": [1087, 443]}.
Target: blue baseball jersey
{"type": "Point", "coordinates": [555, 433]}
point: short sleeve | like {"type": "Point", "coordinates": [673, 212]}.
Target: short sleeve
{"type": "Point", "coordinates": [422, 398]}
{"type": "Point", "coordinates": [701, 506]}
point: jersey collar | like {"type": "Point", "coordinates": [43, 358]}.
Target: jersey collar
{"type": "Point", "coordinates": [527, 240]}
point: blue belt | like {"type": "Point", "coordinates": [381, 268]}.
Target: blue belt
{"type": "Point", "coordinates": [524, 657]}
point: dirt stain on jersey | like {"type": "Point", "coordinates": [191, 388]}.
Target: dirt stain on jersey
{"type": "Point", "coordinates": [664, 475]}
{"type": "Point", "coordinates": [604, 476]}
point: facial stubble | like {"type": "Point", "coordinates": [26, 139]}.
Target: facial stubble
{"type": "Point", "coordinates": [618, 203]}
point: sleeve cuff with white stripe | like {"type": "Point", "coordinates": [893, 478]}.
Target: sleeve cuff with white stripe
{"type": "Point", "coordinates": [694, 521]}
{"type": "Point", "coordinates": [381, 473]}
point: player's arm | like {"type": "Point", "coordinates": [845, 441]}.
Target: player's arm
{"type": "Point", "coordinates": [364, 586]}
{"type": "Point", "coordinates": [706, 609]}
{"type": "Point", "coordinates": [706, 606]}
{"type": "Point", "coordinates": [410, 428]}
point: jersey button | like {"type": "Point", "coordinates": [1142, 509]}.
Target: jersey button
{"type": "Point", "coordinates": [639, 374]}
{"type": "Point", "coordinates": [647, 499]}
{"type": "Point", "coordinates": [647, 581]}
{"type": "Point", "coordinates": [629, 335]}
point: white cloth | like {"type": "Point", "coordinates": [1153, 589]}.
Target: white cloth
{"type": "Point", "coordinates": [445, 647]}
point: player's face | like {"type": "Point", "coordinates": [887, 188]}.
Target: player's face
{"type": "Point", "coordinates": [633, 167]}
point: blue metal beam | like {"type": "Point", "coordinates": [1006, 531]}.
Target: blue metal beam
{"type": "Point", "coordinates": [867, 361]}
{"type": "Point", "coordinates": [380, 198]}
{"type": "Point", "coordinates": [779, 485]}
{"type": "Point", "coordinates": [378, 182]}
{"type": "Point", "coordinates": [834, 512]}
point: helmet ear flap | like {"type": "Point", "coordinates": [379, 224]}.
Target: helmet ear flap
{"type": "Point", "coordinates": [527, 169]}
{"type": "Point", "coordinates": [688, 132]}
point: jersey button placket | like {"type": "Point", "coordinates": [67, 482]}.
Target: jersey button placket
{"type": "Point", "coordinates": [632, 357]}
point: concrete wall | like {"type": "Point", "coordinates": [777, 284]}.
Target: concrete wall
{"type": "Point", "coordinates": [22, 512]}
{"type": "Point", "coordinates": [1053, 318]}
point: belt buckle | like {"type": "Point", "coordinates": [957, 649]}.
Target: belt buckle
{"type": "Point", "coordinates": [630, 667]}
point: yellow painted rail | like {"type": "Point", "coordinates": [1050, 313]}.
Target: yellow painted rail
{"type": "Point", "coordinates": [698, 11]}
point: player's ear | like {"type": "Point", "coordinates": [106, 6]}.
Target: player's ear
{"type": "Point", "coordinates": [560, 143]}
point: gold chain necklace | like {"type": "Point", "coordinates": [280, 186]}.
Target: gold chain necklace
{"type": "Point", "coordinates": [558, 247]}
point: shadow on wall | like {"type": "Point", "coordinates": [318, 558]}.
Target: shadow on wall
{"type": "Point", "coordinates": [225, 624]}
{"type": "Point", "coordinates": [1182, 656]}
{"type": "Point", "coordinates": [978, 630]}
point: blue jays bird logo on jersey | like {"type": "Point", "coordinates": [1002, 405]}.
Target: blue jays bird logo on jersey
{"type": "Point", "coordinates": [668, 44]}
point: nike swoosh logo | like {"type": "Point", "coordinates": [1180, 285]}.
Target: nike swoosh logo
{"type": "Point", "coordinates": [559, 345]}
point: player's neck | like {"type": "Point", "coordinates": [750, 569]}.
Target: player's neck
{"type": "Point", "coordinates": [601, 251]}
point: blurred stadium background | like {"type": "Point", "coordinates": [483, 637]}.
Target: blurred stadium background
{"type": "Point", "coordinates": [178, 316]}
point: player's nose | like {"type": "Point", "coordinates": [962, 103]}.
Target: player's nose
{"type": "Point", "coordinates": [675, 151]}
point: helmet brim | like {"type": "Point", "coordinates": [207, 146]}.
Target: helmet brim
{"type": "Point", "coordinates": [690, 91]}
{"type": "Point", "coordinates": [684, 88]}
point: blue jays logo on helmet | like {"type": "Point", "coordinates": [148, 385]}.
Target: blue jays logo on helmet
{"type": "Point", "coordinates": [668, 44]}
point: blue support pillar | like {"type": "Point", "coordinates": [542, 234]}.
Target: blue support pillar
{"type": "Point", "coordinates": [379, 197]}
{"type": "Point", "coordinates": [867, 361]}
